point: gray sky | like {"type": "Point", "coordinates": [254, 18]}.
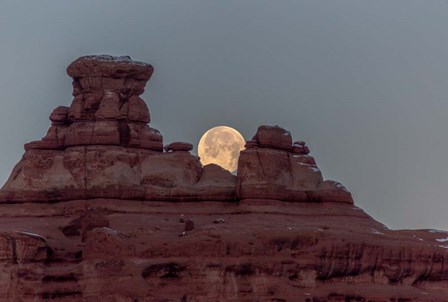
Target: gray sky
{"type": "Point", "coordinates": [364, 83]}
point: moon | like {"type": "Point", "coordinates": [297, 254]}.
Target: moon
{"type": "Point", "coordinates": [221, 145]}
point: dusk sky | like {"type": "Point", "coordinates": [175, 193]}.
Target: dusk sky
{"type": "Point", "coordinates": [364, 83]}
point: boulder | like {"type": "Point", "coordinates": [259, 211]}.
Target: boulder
{"type": "Point", "coordinates": [109, 67]}
{"type": "Point", "coordinates": [251, 144]}
{"type": "Point", "coordinates": [84, 223]}
{"type": "Point", "coordinates": [273, 137]}
{"type": "Point", "coordinates": [137, 110]}
{"type": "Point", "coordinates": [300, 148]}
{"type": "Point", "coordinates": [189, 225]}
{"type": "Point", "coordinates": [59, 114]}
{"type": "Point", "coordinates": [178, 146]}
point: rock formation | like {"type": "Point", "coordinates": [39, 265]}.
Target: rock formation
{"type": "Point", "coordinates": [99, 210]}
{"type": "Point", "coordinates": [272, 167]}
{"type": "Point", "coordinates": [102, 147]}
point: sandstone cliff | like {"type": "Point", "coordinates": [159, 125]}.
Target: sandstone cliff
{"type": "Point", "coordinates": [100, 210]}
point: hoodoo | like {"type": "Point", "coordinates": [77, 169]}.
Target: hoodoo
{"type": "Point", "coordinates": [102, 147]}
{"type": "Point", "coordinates": [100, 210]}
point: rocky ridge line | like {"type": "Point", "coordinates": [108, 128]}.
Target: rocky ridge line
{"type": "Point", "coordinates": [102, 147]}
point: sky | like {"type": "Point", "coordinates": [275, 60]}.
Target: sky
{"type": "Point", "coordinates": [364, 83]}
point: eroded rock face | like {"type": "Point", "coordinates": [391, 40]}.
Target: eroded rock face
{"type": "Point", "coordinates": [254, 250]}
{"type": "Point", "coordinates": [272, 167]}
{"type": "Point", "coordinates": [102, 147]}
{"type": "Point", "coordinates": [106, 109]}
{"type": "Point", "coordinates": [96, 211]}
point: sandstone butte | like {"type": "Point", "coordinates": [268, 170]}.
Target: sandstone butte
{"type": "Point", "coordinates": [99, 210]}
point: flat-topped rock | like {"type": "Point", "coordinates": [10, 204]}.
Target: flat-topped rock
{"type": "Point", "coordinates": [59, 114]}
{"type": "Point", "coordinates": [300, 148]}
{"type": "Point", "coordinates": [273, 137]}
{"type": "Point", "coordinates": [106, 109]}
{"type": "Point", "coordinates": [109, 67]}
{"type": "Point", "coordinates": [179, 146]}
{"type": "Point", "coordinates": [96, 74]}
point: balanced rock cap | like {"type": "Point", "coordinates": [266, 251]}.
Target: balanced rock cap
{"type": "Point", "coordinates": [109, 66]}
{"type": "Point", "coordinates": [274, 137]}
{"type": "Point", "coordinates": [179, 146]}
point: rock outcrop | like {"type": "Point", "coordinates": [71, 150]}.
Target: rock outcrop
{"type": "Point", "coordinates": [99, 210]}
{"type": "Point", "coordinates": [272, 168]}
{"type": "Point", "coordinates": [102, 147]}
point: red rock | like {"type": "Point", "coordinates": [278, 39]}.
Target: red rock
{"type": "Point", "coordinates": [109, 108]}
{"type": "Point", "coordinates": [141, 136]}
{"type": "Point", "coordinates": [109, 66]}
{"type": "Point", "coordinates": [96, 203]}
{"type": "Point", "coordinates": [266, 248]}
{"type": "Point", "coordinates": [299, 143]}
{"type": "Point", "coordinates": [251, 144]}
{"type": "Point", "coordinates": [59, 114]}
{"type": "Point", "coordinates": [305, 173]}
{"type": "Point", "coordinates": [137, 110]}
{"type": "Point", "coordinates": [178, 146]}
{"type": "Point", "coordinates": [105, 133]}
{"type": "Point", "coordinates": [168, 170]}
{"type": "Point", "coordinates": [79, 134]}
{"type": "Point", "coordinates": [263, 174]}
{"type": "Point", "coordinates": [331, 191]}
{"type": "Point", "coordinates": [300, 149]}
{"type": "Point", "coordinates": [106, 109]}
{"type": "Point", "coordinates": [273, 137]}
{"type": "Point", "coordinates": [22, 247]}
{"type": "Point", "coordinates": [276, 174]}
{"type": "Point", "coordinates": [53, 140]}
{"type": "Point", "coordinates": [189, 225]}
{"type": "Point", "coordinates": [76, 109]}
{"type": "Point", "coordinates": [86, 222]}
{"type": "Point", "coordinates": [215, 183]}
{"type": "Point", "coordinates": [110, 173]}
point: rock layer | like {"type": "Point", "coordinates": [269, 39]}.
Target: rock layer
{"type": "Point", "coordinates": [254, 250]}
{"type": "Point", "coordinates": [96, 211]}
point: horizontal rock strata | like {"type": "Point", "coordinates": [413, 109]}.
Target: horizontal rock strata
{"type": "Point", "coordinates": [261, 250]}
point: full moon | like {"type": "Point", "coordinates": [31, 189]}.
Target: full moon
{"type": "Point", "coordinates": [221, 145]}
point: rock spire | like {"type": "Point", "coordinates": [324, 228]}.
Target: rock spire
{"type": "Point", "coordinates": [106, 109]}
